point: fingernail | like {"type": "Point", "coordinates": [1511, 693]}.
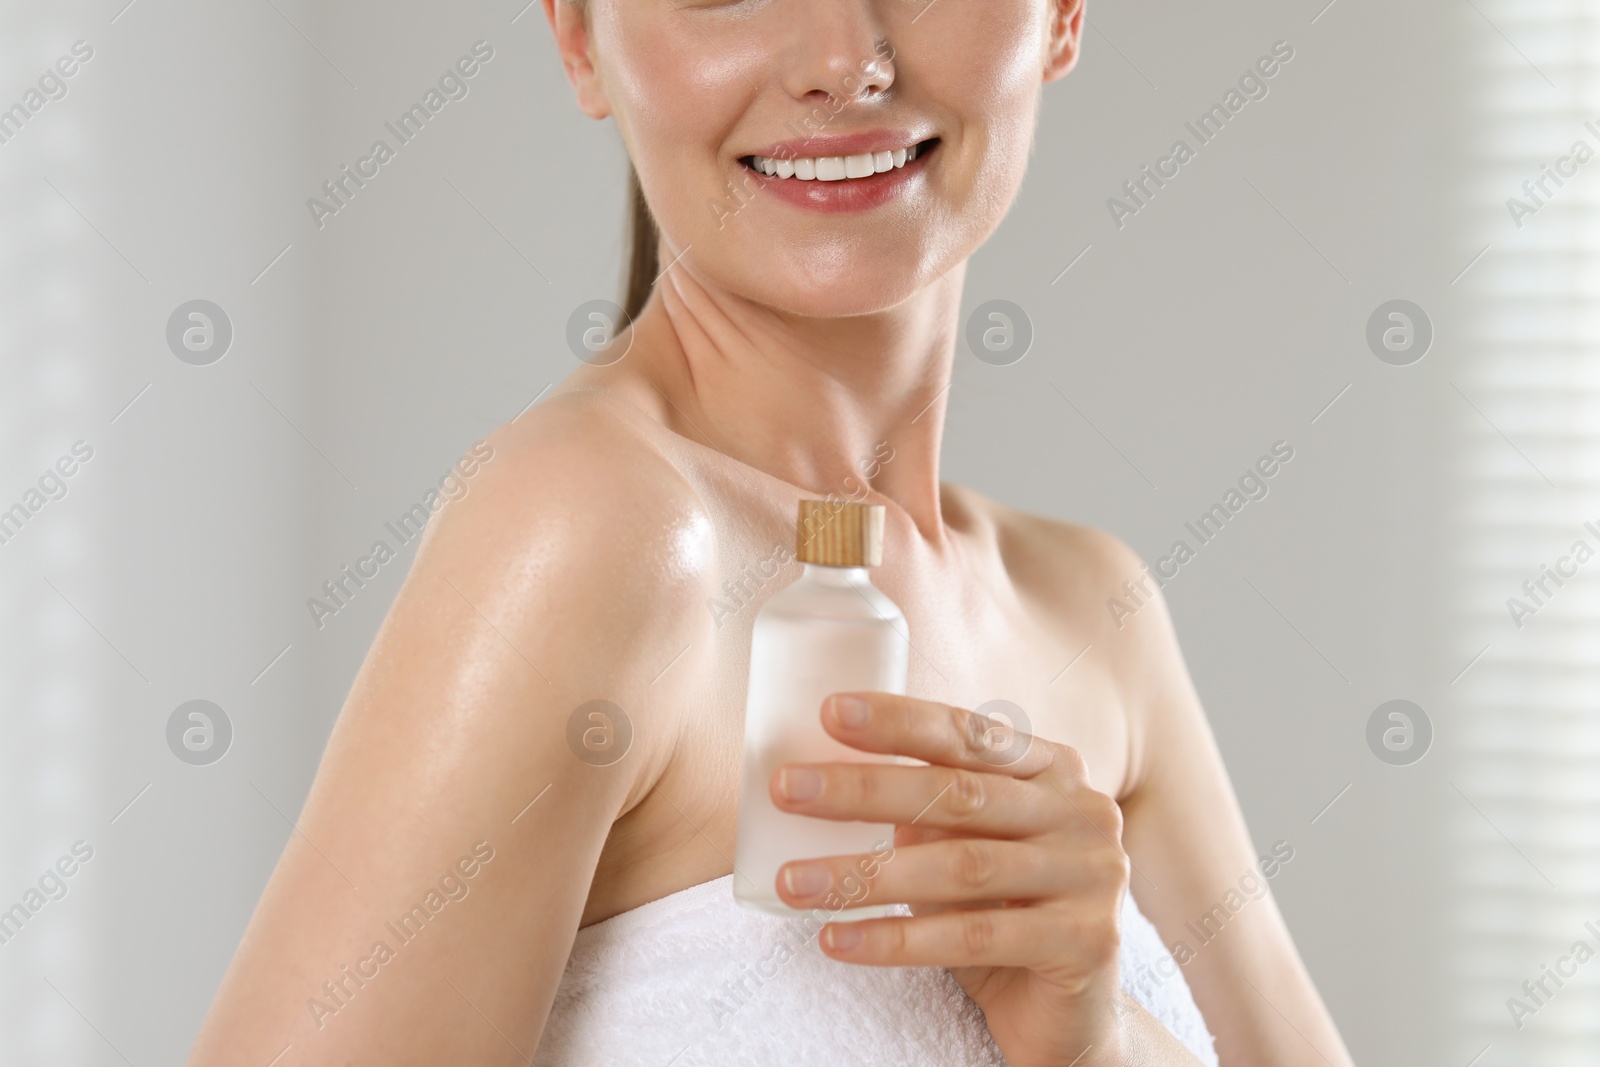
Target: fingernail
{"type": "Point", "coordinates": [843, 936]}
{"type": "Point", "coordinates": [852, 711]}
{"type": "Point", "coordinates": [805, 879]}
{"type": "Point", "coordinates": [799, 783]}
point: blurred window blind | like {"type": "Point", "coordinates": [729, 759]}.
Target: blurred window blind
{"type": "Point", "coordinates": [46, 692]}
{"type": "Point", "coordinates": [1527, 714]}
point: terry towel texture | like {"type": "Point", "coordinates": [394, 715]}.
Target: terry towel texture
{"type": "Point", "coordinates": [694, 980]}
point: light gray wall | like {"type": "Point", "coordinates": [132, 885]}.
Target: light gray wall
{"type": "Point", "coordinates": [164, 175]}
{"type": "Point", "coordinates": [1221, 318]}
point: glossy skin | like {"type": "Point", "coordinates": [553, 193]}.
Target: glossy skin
{"type": "Point", "coordinates": [784, 355]}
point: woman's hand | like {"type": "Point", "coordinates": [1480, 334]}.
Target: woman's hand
{"type": "Point", "coordinates": [1013, 866]}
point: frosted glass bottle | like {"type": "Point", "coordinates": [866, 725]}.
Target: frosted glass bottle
{"type": "Point", "coordinates": [830, 631]}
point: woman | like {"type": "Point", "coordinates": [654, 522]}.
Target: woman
{"type": "Point", "coordinates": [816, 173]}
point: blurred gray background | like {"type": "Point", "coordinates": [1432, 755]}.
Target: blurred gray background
{"type": "Point", "coordinates": [1169, 353]}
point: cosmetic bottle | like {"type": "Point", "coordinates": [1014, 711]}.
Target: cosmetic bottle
{"type": "Point", "coordinates": [829, 631]}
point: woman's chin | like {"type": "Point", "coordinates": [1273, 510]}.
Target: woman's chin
{"type": "Point", "coordinates": [840, 305]}
{"type": "Point", "coordinates": [841, 295]}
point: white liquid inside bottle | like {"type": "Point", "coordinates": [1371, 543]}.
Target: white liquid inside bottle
{"type": "Point", "coordinates": [830, 631]}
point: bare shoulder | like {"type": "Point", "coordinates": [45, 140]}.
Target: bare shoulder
{"type": "Point", "coordinates": [1070, 569]}
{"type": "Point", "coordinates": [572, 474]}
{"type": "Point", "coordinates": [575, 553]}
{"type": "Point", "coordinates": [542, 603]}
{"type": "Point", "coordinates": [1086, 582]}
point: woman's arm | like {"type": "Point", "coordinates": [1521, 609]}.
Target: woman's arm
{"type": "Point", "coordinates": [1193, 858]}
{"type": "Point", "coordinates": [422, 911]}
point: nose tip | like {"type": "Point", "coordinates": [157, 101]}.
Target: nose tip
{"type": "Point", "coordinates": [874, 74]}
{"type": "Point", "coordinates": [847, 68]}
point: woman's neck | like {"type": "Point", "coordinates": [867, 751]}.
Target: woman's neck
{"type": "Point", "coordinates": [811, 401]}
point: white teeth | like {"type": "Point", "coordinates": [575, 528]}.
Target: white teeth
{"type": "Point", "coordinates": [859, 166]}
{"type": "Point", "coordinates": [835, 168]}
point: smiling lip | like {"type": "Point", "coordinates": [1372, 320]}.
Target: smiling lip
{"type": "Point", "coordinates": [828, 158]}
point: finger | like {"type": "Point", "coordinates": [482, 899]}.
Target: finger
{"type": "Point", "coordinates": [906, 836]}
{"type": "Point", "coordinates": [965, 870]}
{"type": "Point", "coordinates": [1058, 939]}
{"type": "Point", "coordinates": [943, 798]}
{"type": "Point", "coordinates": [940, 733]}
{"type": "Point", "coordinates": [918, 834]}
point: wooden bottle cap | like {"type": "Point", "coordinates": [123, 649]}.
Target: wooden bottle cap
{"type": "Point", "coordinates": [837, 533]}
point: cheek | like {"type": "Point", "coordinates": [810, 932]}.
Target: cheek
{"type": "Point", "coordinates": [995, 87]}
{"type": "Point", "coordinates": [676, 99]}
{"type": "Point", "coordinates": [672, 78]}
{"type": "Point", "coordinates": [990, 90]}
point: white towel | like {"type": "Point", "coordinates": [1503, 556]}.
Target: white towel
{"type": "Point", "coordinates": [693, 979]}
